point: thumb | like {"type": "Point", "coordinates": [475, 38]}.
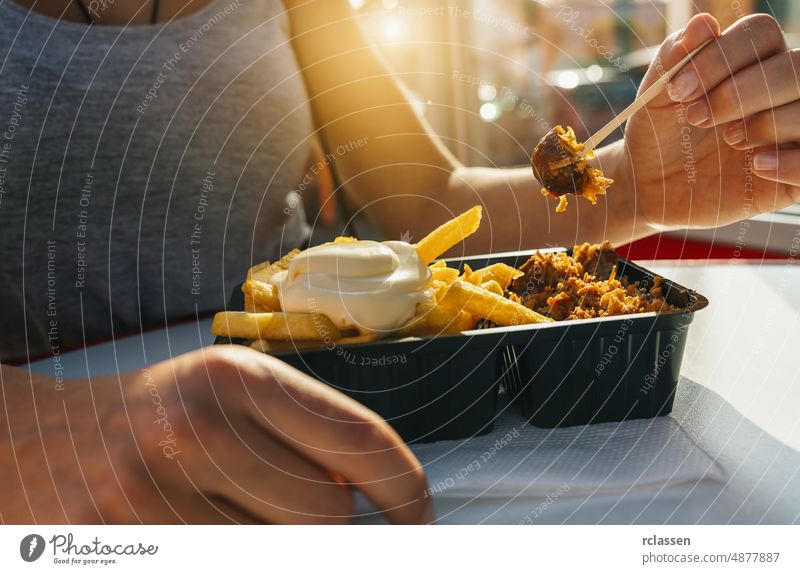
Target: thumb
{"type": "Point", "coordinates": [677, 45]}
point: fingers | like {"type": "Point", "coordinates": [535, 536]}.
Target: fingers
{"type": "Point", "coordinates": [337, 434]}
{"type": "Point", "coordinates": [770, 127]}
{"type": "Point", "coordinates": [747, 79]}
{"type": "Point", "coordinates": [142, 502]}
{"type": "Point", "coordinates": [751, 40]}
{"type": "Point", "coordinates": [782, 166]}
{"type": "Point", "coordinates": [698, 30]}
{"type": "Point", "coordinates": [760, 87]}
{"type": "Point", "coordinates": [265, 479]}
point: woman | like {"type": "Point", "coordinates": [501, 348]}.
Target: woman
{"type": "Point", "coordinates": [149, 156]}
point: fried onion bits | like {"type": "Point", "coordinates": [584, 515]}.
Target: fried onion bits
{"type": "Point", "coordinates": [560, 165]}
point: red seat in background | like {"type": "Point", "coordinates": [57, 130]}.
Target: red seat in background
{"type": "Point", "coordinates": [671, 247]}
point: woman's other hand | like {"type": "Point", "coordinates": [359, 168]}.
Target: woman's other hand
{"type": "Point", "coordinates": [719, 144]}
{"type": "Point", "coordinates": [223, 434]}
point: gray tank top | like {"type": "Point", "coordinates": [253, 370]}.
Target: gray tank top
{"type": "Point", "coordinates": [142, 169]}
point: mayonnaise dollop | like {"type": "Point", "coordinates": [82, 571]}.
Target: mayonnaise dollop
{"type": "Point", "coordinates": [370, 286]}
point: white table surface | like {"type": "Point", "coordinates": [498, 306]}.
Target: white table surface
{"type": "Point", "coordinates": [740, 405]}
{"type": "Point", "coordinates": [746, 345]}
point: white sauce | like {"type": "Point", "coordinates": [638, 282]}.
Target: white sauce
{"type": "Point", "coordinates": [370, 286]}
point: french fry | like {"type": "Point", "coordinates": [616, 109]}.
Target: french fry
{"type": "Point", "coordinates": [467, 274]}
{"type": "Point", "coordinates": [443, 320]}
{"type": "Point", "coordinates": [437, 265]}
{"type": "Point", "coordinates": [256, 269]}
{"type": "Point", "coordinates": [444, 274]}
{"type": "Point", "coordinates": [282, 326]}
{"type": "Point", "coordinates": [500, 272]}
{"type": "Point", "coordinates": [439, 288]}
{"type": "Point", "coordinates": [356, 339]}
{"type": "Point", "coordinates": [417, 324]}
{"type": "Point", "coordinates": [438, 320]}
{"type": "Point", "coordinates": [344, 240]}
{"type": "Point", "coordinates": [426, 304]}
{"type": "Point", "coordinates": [272, 346]}
{"type": "Point", "coordinates": [487, 305]}
{"type": "Point", "coordinates": [449, 234]}
{"type": "Point", "coordinates": [492, 286]}
{"type": "Point", "coordinates": [263, 272]}
{"type": "Point", "coordinates": [416, 327]}
{"type": "Point", "coordinates": [266, 346]}
{"type": "Point", "coordinates": [263, 296]}
{"type": "Point", "coordinates": [252, 306]}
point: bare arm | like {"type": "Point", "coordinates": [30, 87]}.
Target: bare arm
{"type": "Point", "coordinates": [404, 176]}
{"type": "Point", "coordinates": [740, 87]}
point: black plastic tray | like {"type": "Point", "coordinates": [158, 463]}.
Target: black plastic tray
{"type": "Point", "coordinates": [560, 374]}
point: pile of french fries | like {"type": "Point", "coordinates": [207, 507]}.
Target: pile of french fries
{"type": "Point", "coordinates": [456, 300]}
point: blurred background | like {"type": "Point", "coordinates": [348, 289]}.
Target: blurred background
{"type": "Point", "coordinates": [492, 76]}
